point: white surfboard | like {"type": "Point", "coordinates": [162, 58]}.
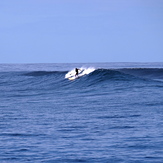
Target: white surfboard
{"type": "Point", "coordinates": [71, 75]}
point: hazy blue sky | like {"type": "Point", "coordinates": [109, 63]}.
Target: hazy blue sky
{"type": "Point", "coordinates": [41, 31]}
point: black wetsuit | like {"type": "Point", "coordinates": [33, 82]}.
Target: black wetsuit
{"type": "Point", "coordinates": [77, 72]}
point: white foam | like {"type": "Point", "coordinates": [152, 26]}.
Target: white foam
{"type": "Point", "coordinates": [82, 71]}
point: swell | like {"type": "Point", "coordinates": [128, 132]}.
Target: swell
{"type": "Point", "coordinates": [104, 74]}
{"type": "Point", "coordinates": [109, 74]}
{"type": "Point", "coordinates": [43, 73]}
{"type": "Point", "coordinates": [150, 73]}
{"type": "Point", "coordinates": [50, 80]}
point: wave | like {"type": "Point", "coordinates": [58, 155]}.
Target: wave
{"type": "Point", "coordinates": [41, 80]}
{"type": "Point", "coordinates": [119, 74]}
{"type": "Point", "coordinates": [131, 73]}
{"type": "Point", "coordinates": [148, 73]}
{"type": "Point", "coordinates": [126, 74]}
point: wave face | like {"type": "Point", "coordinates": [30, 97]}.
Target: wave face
{"type": "Point", "coordinates": [150, 73]}
{"type": "Point", "coordinates": [41, 82]}
{"type": "Point", "coordinates": [45, 80]}
{"type": "Point", "coordinates": [107, 111]}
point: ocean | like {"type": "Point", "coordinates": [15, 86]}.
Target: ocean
{"type": "Point", "coordinates": [113, 114]}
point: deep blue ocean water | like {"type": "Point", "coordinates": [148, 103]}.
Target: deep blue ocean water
{"type": "Point", "coordinates": [112, 115]}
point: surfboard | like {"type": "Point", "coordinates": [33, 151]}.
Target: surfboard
{"type": "Point", "coordinates": [76, 76]}
{"type": "Point", "coordinates": [71, 75]}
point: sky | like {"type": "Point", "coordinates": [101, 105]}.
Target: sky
{"type": "Point", "coordinates": [81, 31]}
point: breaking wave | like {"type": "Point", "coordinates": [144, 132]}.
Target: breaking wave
{"type": "Point", "coordinates": [41, 80]}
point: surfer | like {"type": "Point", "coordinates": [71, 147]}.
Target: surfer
{"type": "Point", "coordinates": [77, 71]}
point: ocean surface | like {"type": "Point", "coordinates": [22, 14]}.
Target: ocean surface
{"type": "Point", "coordinates": [113, 114]}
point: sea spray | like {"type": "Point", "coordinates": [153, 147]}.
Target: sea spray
{"type": "Point", "coordinates": [83, 71]}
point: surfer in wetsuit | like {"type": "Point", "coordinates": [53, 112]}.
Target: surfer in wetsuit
{"type": "Point", "coordinates": [77, 71]}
